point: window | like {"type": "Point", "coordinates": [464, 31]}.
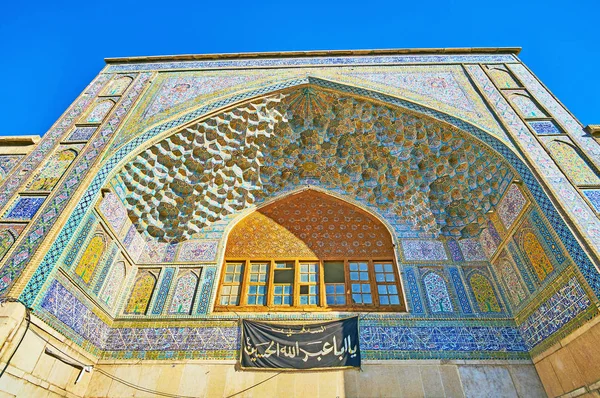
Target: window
{"type": "Point", "coordinates": [310, 285]}
{"type": "Point", "coordinates": [230, 292]}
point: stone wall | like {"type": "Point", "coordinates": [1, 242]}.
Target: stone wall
{"type": "Point", "coordinates": [376, 379]}
{"type": "Point", "coordinates": [570, 367]}
{"type": "Point", "coordinates": [32, 372]}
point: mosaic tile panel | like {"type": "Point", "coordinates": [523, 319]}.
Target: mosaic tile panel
{"type": "Point", "coordinates": [484, 293]}
{"type": "Point", "coordinates": [183, 295]}
{"type": "Point", "coordinates": [508, 275]}
{"type": "Point", "coordinates": [593, 195]}
{"type": "Point", "coordinates": [547, 236]}
{"type": "Point", "coordinates": [82, 133]}
{"type": "Point", "coordinates": [91, 257]}
{"type": "Point", "coordinates": [554, 313]}
{"type": "Point", "coordinates": [440, 338]}
{"type": "Point", "coordinates": [98, 112]}
{"type": "Point", "coordinates": [107, 264]}
{"type": "Point", "coordinates": [25, 207]}
{"type": "Point", "coordinates": [454, 249]}
{"type": "Point", "coordinates": [545, 127]}
{"type": "Point", "coordinates": [141, 293]}
{"type": "Point", "coordinates": [488, 243]}
{"type": "Point", "coordinates": [54, 168]}
{"type": "Point", "coordinates": [437, 293]}
{"type": "Point", "coordinates": [64, 306]}
{"type": "Point", "coordinates": [56, 205]}
{"type": "Point", "coordinates": [7, 163]}
{"type": "Point", "coordinates": [316, 61]}
{"type": "Point", "coordinates": [413, 290]}
{"type": "Point", "coordinates": [423, 250]}
{"type": "Point", "coordinates": [502, 77]}
{"type": "Point", "coordinates": [197, 251]}
{"type": "Point", "coordinates": [536, 255]}
{"type": "Point", "coordinates": [50, 139]}
{"type": "Point", "coordinates": [114, 282]}
{"type": "Point", "coordinates": [463, 300]}
{"type": "Point", "coordinates": [472, 250]}
{"type": "Point", "coordinates": [163, 291]}
{"type": "Point", "coordinates": [511, 206]}
{"type": "Point", "coordinates": [154, 252]}
{"type": "Point", "coordinates": [137, 246]}
{"type": "Point", "coordinates": [8, 234]}
{"type": "Point", "coordinates": [572, 163]}
{"type": "Point", "coordinates": [117, 86]}
{"type": "Point", "coordinates": [113, 211]}
{"type": "Point", "coordinates": [526, 105]}
{"type": "Point", "coordinates": [208, 276]}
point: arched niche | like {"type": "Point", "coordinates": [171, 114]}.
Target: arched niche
{"type": "Point", "coordinates": [126, 155]}
{"type": "Point", "coordinates": [310, 251]}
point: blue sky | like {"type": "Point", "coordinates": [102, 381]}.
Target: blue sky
{"type": "Point", "coordinates": [51, 50]}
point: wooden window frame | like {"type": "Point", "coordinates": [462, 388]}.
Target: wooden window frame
{"type": "Point", "coordinates": [322, 300]}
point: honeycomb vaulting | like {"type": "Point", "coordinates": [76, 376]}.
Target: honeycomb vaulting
{"type": "Point", "coordinates": [418, 172]}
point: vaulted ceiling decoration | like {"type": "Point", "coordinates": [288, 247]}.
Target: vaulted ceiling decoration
{"type": "Point", "coordinates": [425, 177]}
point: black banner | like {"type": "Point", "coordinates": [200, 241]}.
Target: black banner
{"type": "Point", "coordinates": [309, 346]}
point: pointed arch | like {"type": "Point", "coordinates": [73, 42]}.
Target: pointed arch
{"type": "Point", "coordinates": [574, 164]}
{"type": "Point", "coordinates": [113, 284]}
{"type": "Point", "coordinates": [484, 293]}
{"type": "Point", "coordinates": [184, 292]}
{"type": "Point", "coordinates": [310, 249]}
{"type": "Point", "coordinates": [91, 257]}
{"type": "Point", "coordinates": [141, 293]}
{"type": "Point", "coordinates": [47, 178]}
{"type": "Point", "coordinates": [436, 289]}
{"type": "Point", "coordinates": [6, 241]}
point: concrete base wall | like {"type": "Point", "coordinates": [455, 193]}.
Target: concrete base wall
{"type": "Point", "coordinates": [571, 368]}
{"type": "Point", "coordinates": [377, 379]}
{"type": "Point", "coordinates": [31, 371]}
{"type": "Point", "coordinates": [46, 364]}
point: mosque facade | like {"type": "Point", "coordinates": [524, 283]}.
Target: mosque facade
{"type": "Point", "coordinates": [444, 199]}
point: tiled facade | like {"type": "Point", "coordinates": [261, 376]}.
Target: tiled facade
{"type": "Point", "coordinates": [444, 155]}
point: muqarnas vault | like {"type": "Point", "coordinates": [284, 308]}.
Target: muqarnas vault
{"type": "Point", "coordinates": [446, 197]}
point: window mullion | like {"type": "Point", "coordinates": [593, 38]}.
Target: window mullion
{"type": "Point", "coordinates": [244, 283]}
{"type": "Point", "coordinates": [296, 290]}
{"type": "Point", "coordinates": [321, 284]}
{"type": "Point", "coordinates": [373, 281]}
{"type": "Point", "coordinates": [270, 279]}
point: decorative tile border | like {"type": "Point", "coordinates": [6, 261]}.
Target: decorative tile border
{"type": "Point", "coordinates": [55, 205]}
{"type": "Point", "coordinates": [316, 61]}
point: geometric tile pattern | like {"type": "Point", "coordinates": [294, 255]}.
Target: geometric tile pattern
{"type": "Point", "coordinates": [315, 61]}
{"type": "Point", "coordinates": [309, 223]}
{"type": "Point", "coordinates": [593, 195]}
{"type": "Point", "coordinates": [472, 250]}
{"type": "Point", "coordinates": [25, 207]}
{"type": "Point", "coordinates": [57, 202]}
{"type": "Point", "coordinates": [437, 293]}
{"type": "Point", "coordinates": [163, 291]}
{"type": "Point", "coordinates": [183, 295]}
{"type": "Point", "coordinates": [545, 127]}
{"type": "Point", "coordinates": [196, 176]}
{"type": "Point", "coordinates": [7, 163]}
{"type": "Point", "coordinates": [423, 250]}
{"type": "Point", "coordinates": [511, 205]}
{"type": "Point", "coordinates": [559, 309]}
